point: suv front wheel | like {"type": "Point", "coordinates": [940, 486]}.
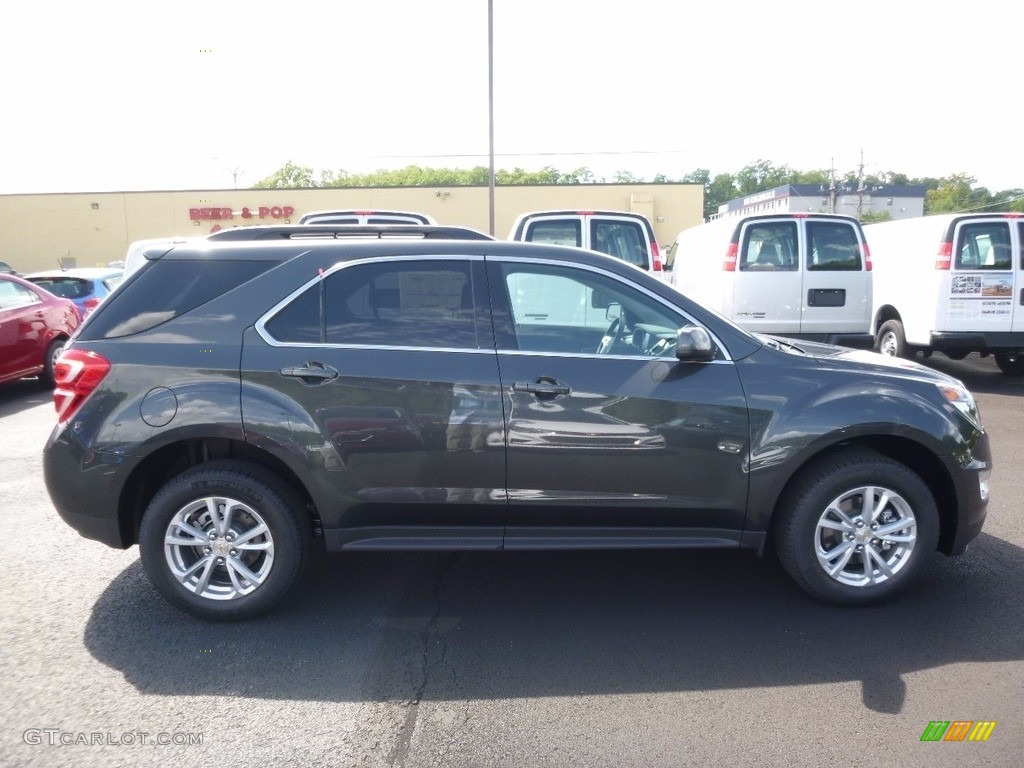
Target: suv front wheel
{"type": "Point", "coordinates": [856, 527]}
{"type": "Point", "coordinates": [224, 540]}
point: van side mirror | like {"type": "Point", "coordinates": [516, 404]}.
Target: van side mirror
{"type": "Point", "coordinates": [694, 344]}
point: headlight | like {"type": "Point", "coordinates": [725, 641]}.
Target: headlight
{"type": "Point", "coordinates": [958, 396]}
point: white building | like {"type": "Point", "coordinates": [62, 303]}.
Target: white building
{"type": "Point", "coordinates": [901, 201]}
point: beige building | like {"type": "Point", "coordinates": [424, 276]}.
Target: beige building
{"type": "Point", "coordinates": [93, 229]}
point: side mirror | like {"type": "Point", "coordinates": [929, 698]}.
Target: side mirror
{"type": "Point", "coordinates": [694, 344]}
{"type": "Point", "coordinates": [613, 311]}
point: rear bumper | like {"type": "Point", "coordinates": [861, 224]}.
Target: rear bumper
{"type": "Point", "coordinates": [82, 486]}
{"type": "Point", "coordinates": [977, 341]}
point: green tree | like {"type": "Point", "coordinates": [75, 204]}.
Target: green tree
{"type": "Point", "coordinates": [290, 176]}
{"type": "Point", "coordinates": [870, 217]}
{"type": "Point", "coordinates": [954, 194]}
{"type": "Point", "coordinates": [761, 175]}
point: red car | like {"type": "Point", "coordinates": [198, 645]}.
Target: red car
{"type": "Point", "coordinates": [34, 327]}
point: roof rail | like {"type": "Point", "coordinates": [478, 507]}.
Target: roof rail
{"type": "Point", "coordinates": [343, 231]}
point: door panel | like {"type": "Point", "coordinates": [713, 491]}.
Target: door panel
{"type": "Point", "coordinates": [836, 286]}
{"type": "Point", "coordinates": [403, 424]}
{"type": "Point", "coordinates": [629, 438]}
{"type": "Point", "coordinates": [767, 282]}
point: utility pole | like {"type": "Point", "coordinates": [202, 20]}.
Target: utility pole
{"type": "Point", "coordinates": [832, 186]}
{"type": "Point", "coordinates": [860, 186]}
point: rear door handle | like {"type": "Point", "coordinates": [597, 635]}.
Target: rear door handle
{"type": "Point", "coordinates": [313, 372]}
{"type": "Point", "coordinates": [542, 387]}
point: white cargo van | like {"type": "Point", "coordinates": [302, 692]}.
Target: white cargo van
{"type": "Point", "coordinates": [625, 235]}
{"type": "Point", "coordinates": [952, 283]}
{"type": "Point", "coordinates": [807, 276]}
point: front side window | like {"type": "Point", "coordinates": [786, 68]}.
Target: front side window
{"type": "Point", "coordinates": [769, 247]}
{"type": "Point", "coordinates": [985, 245]}
{"type": "Point", "coordinates": [566, 310]}
{"type": "Point", "coordinates": [623, 240]}
{"type": "Point", "coordinates": [833, 246]}
{"type": "Point", "coordinates": [426, 304]}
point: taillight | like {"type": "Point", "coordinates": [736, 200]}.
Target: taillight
{"type": "Point", "coordinates": [867, 257]}
{"type": "Point", "coordinates": [945, 256]}
{"type": "Point", "coordinates": [656, 257]}
{"type": "Point", "coordinates": [729, 264]}
{"type": "Point", "coordinates": [76, 374]}
{"type": "Point", "coordinates": [90, 305]}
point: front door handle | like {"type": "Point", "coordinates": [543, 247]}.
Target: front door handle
{"type": "Point", "coordinates": [313, 372]}
{"type": "Point", "coordinates": [542, 387]}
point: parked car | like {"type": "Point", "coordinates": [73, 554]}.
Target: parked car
{"type": "Point", "coordinates": [34, 327]}
{"type": "Point", "coordinates": [624, 235]}
{"type": "Point", "coordinates": [367, 392]}
{"type": "Point", "coordinates": [366, 216]}
{"type": "Point", "coordinates": [951, 283]}
{"type": "Point", "coordinates": [805, 276]}
{"type": "Point", "coordinates": [86, 287]}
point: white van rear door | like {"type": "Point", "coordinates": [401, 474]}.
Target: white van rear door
{"type": "Point", "coordinates": [981, 292]}
{"type": "Point", "coordinates": [622, 237]}
{"type": "Point", "coordinates": [836, 295]}
{"type": "Point", "coordinates": [766, 283]}
{"type": "Point", "coordinates": [555, 230]}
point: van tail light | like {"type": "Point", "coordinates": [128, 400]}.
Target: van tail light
{"type": "Point", "coordinates": [729, 264]}
{"type": "Point", "coordinates": [656, 257]}
{"type": "Point", "coordinates": [76, 375]}
{"type": "Point", "coordinates": [867, 257]}
{"type": "Point", "coordinates": [945, 256]}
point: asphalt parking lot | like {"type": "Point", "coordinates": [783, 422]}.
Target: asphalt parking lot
{"type": "Point", "coordinates": [508, 659]}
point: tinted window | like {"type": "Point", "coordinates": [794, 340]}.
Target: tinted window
{"type": "Point", "coordinates": [622, 239]}
{"type": "Point", "coordinates": [402, 304]}
{"type": "Point", "coordinates": [561, 309]}
{"type": "Point", "coordinates": [985, 245]}
{"type": "Point", "coordinates": [556, 232]}
{"type": "Point", "coordinates": [769, 247]}
{"type": "Point", "coordinates": [301, 322]}
{"type": "Point", "coordinates": [165, 290]}
{"type": "Point", "coordinates": [832, 247]}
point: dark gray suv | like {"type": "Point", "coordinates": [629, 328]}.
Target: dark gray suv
{"type": "Point", "coordinates": [246, 397]}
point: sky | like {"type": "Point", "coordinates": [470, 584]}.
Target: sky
{"type": "Point", "coordinates": [111, 95]}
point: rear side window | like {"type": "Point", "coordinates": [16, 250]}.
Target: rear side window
{"type": "Point", "coordinates": [13, 295]}
{"type": "Point", "coordinates": [769, 247]}
{"type": "Point", "coordinates": [832, 246]}
{"type": "Point", "coordinates": [556, 232]}
{"type": "Point", "coordinates": [622, 239]}
{"type": "Point", "coordinates": [985, 245]}
{"type": "Point", "coordinates": [166, 289]}
{"type": "Point", "coordinates": [396, 304]}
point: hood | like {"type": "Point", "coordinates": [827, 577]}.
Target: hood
{"type": "Point", "coordinates": [857, 359]}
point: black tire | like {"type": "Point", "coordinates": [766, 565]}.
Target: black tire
{"type": "Point", "coordinates": [240, 571]}
{"type": "Point", "coordinates": [1011, 363]}
{"type": "Point", "coordinates": [891, 341]}
{"type": "Point", "coordinates": [52, 352]}
{"type": "Point", "coordinates": [810, 535]}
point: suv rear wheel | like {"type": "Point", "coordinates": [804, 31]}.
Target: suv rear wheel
{"type": "Point", "coordinates": [224, 540]}
{"type": "Point", "coordinates": [856, 527]}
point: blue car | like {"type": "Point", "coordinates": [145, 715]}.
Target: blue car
{"type": "Point", "coordinates": [86, 287]}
